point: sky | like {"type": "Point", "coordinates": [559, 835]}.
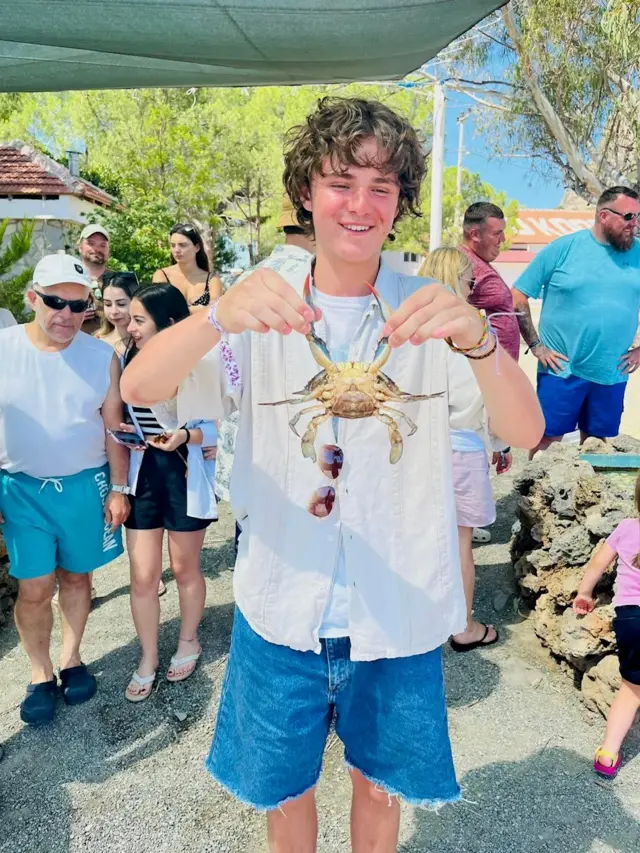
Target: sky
{"type": "Point", "coordinates": [513, 176]}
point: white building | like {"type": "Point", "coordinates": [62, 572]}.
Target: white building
{"type": "Point", "coordinates": [33, 186]}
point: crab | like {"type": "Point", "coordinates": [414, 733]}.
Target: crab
{"type": "Point", "coordinates": [351, 390]}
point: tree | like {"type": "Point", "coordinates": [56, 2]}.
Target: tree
{"type": "Point", "coordinates": [413, 234]}
{"type": "Point", "coordinates": [561, 78]}
{"type": "Point", "coordinates": [12, 287]}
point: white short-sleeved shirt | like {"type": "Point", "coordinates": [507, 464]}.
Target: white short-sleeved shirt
{"type": "Point", "coordinates": [50, 405]}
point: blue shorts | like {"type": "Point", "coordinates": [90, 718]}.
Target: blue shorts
{"type": "Point", "coordinates": [572, 403]}
{"type": "Point", "coordinates": [277, 705]}
{"type": "Point", "coordinates": [57, 522]}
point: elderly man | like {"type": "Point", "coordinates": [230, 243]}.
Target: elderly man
{"type": "Point", "coordinates": [590, 287]}
{"type": "Point", "coordinates": [62, 479]}
{"type": "Point", "coordinates": [93, 249]}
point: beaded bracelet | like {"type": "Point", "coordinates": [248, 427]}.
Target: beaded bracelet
{"type": "Point", "coordinates": [228, 359]}
{"type": "Point", "coordinates": [483, 338]}
{"type": "Point", "coordinates": [484, 354]}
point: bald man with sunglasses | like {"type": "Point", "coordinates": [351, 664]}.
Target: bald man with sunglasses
{"type": "Point", "coordinates": [62, 478]}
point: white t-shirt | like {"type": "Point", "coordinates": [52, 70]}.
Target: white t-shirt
{"type": "Point", "coordinates": [343, 315]}
{"type": "Point", "coordinates": [50, 402]}
{"type": "Point", "coordinates": [7, 319]}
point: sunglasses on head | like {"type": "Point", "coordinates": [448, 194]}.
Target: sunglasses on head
{"type": "Point", "coordinates": [56, 303]}
{"type": "Point", "coordinates": [628, 217]}
{"type": "Point", "coordinates": [330, 462]}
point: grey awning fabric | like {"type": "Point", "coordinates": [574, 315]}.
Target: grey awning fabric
{"type": "Point", "coordinates": [52, 45]}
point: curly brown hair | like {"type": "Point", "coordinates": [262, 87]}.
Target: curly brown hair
{"type": "Point", "coordinates": [337, 129]}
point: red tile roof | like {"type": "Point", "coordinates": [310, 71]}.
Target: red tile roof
{"type": "Point", "coordinates": [24, 171]}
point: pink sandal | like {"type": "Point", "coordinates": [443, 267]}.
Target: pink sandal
{"type": "Point", "coordinates": [610, 771]}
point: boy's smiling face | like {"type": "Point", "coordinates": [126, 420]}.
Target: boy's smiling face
{"type": "Point", "coordinates": [354, 207]}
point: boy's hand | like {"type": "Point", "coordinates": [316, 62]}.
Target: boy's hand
{"type": "Point", "coordinates": [583, 604]}
{"type": "Point", "coordinates": [435, 312]}
{"type": "Point", "coordinates": [264, 301]}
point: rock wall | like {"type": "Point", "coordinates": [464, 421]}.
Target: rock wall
{"type": "Point", "coordinates": [565, 509]}
{"type": "Point", "coordinates": [8, 587]}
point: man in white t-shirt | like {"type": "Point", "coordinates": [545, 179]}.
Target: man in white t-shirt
{"type": "Point", "coordinates": [62, 479]}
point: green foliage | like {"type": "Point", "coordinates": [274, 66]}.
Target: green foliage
{"type": "Point", "coordinates": [412, 235]}
{"type": "Point", "coordinates": [562, 79]}
{"type": "Point", "coordinates": [212, 157]}
{"type": "Point", "coordinates": [12, 286]}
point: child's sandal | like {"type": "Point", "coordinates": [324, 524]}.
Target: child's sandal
{"type": "Point", "coordinates": [603, 769]}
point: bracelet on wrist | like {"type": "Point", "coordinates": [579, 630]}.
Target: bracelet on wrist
{"type": "Point", "coordinates": [484, 337]}
{"type": "Point", "coordinates": [188, 432]}
{"type": "Point", "coordinates": [533, 345]}
{"type": "Point", "coordinates": [228, 359]}
{"type": "Point", "coordinates": [484, 351]}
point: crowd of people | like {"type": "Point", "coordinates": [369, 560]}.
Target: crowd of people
{"type": "Point", "coordinates": [354, 542]}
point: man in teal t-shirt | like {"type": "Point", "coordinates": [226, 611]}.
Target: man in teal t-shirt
{"type": "Point", "coordinates": [590, 288]}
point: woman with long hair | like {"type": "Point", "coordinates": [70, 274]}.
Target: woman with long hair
{"type": "Point", "coordinates": [475, 506]}
{"type": "Point", "coordinates": [190, 273]}
{"type": "Point", "coordinates": [171, 485]}
{"type": "Point", "coordinates": [116, 293]}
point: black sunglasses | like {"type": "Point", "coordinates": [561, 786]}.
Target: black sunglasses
{"type": "Point", "coordinates": [628, 217]}
{"type": "Point", "coordinates": [56, 303]}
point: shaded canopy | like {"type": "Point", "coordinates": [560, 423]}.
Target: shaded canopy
{"type": "Point", "coordinates": [53, 45]}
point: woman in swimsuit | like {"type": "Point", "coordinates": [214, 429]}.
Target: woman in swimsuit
{"type": "Point", "coordinates": [190, 273]}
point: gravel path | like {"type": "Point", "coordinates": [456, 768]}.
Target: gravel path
{"type": "Point", "coordinates": [111, 776]}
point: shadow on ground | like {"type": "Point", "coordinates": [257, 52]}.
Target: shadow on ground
{"type": "Point", "coordinates": [549, 802]}
{"type": "Point", "coordinates": [92, 743]}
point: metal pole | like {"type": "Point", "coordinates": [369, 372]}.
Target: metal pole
{"type": "Point", "coordinates": [458, 210]}
{"type": "Point", "coordinates": [437, 167]}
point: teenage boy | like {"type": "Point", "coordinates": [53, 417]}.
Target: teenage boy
{"type": "Point", "coordinates": [343, 615]}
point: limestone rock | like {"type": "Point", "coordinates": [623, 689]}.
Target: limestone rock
{"type": "Point", "coordinates": [600, 684]}
{"type": "Point", "coordinates": [564, 509]}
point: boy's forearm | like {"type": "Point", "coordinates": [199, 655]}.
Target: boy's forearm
{"type": "Point", "coordinates": [510, 400]}
{"type": "Point", "coordinates": [166, 360]}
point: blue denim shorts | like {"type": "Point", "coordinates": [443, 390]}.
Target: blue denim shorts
{"type": "Point", "coordinates": [277, 706]}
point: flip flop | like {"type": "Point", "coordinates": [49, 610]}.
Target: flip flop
{"type": "Point", "coordinates": [143, 681]}
{"type": "Point", "coordinates": [609, 771]}
{"type": "Point", "coordinates": [469, 647]}
{"type": "Point", "coordinates": [77, 684]}
{"type": "Point", "coordinates": [177, 662]}
{"type": "Point", "coordinates": [39, 705]}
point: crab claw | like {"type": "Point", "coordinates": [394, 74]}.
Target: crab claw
{"type": "Point", "coordinates": [381, 355]}
{"type": "Point", "coordinates": [308, 451]}
{"type": "Point", "coordinates": [319, 350]}
{"type": "Point", "coordinates": [396, 446]}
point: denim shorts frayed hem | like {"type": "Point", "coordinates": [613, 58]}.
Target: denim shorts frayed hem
{"type": "Point", "coordinates": [427, 805]}
{"type": "Point", "coordinates": [259, 807]}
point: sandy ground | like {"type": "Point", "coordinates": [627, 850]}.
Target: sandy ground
{"type": "Point", "coordinates": [111, 776]}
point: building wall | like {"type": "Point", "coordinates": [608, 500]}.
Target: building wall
{"type": "Point", "coordinates": [407, 263]}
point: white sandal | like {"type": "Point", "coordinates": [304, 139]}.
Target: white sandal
{"type": "Point", "coordinates": [178, 662]}
{"type": "Point", "coordinates": [480, 535]}
{"type": "Point", "coordinates": [142, 681]}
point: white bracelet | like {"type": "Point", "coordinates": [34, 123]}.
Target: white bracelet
{"type": "Point", "coordinates": [228, 359]}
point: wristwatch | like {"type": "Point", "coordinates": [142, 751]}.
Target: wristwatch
{"type": "Point", "coordinates": [121, 490]}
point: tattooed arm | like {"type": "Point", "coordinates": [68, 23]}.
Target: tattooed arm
{"type": "Point", "coordinates": [547, 357]}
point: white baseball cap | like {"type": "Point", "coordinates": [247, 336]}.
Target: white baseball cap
{"type": "Point", "coordinates": [88, 230]}
{"type": "Point", "coordinates": [60, 269]}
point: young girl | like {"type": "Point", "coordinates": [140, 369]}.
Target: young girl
{"type": "Point", "coordinates": [475, 507]}
{"type": "Point", "coordinates": [624, 543]}
{"type": "Point", "coordinates": [118, 289]}
{"type": "Point", "coordinates": [190, 273]}
{"type": "Point", "coordinates": [171, 489]}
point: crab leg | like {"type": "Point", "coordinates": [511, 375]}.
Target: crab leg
{"type": "Point", "coordinates": [294, 420]}
{"type": "Point", "coordinates": [309, 437]}
{"type": "Point", "coordinates": [412, 426]}
{"type": "Point", "coordinates": [394, 435]}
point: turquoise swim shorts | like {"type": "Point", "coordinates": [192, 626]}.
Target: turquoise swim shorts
{"type": "Point", "coordinates": [57, 522]}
